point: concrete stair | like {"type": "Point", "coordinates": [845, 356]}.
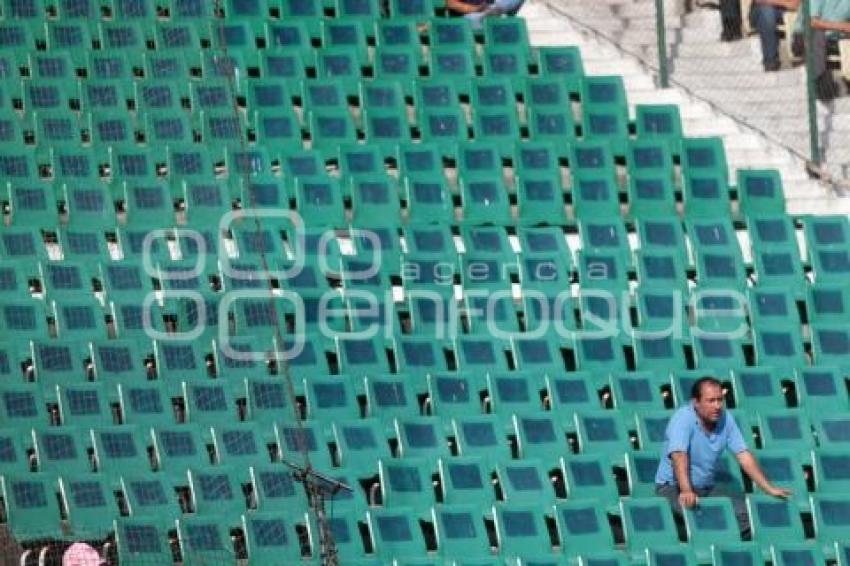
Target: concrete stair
{"type": "Point", "coordinates": [729, 75]}
{"type": "Point", "coordinates": [704, 68]}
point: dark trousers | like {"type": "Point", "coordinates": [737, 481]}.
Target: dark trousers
{"type": "Point", "coordinates": [825, 87]}
{"type": "Point", "coordinates": [671, 493]}
{"type": "Point", "coordinates": [730, 15]}
{"type": "Point", "coordinates": [765, 18]}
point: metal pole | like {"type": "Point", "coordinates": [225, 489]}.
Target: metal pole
{"type": "Point", "coordinates": [661, 36]}
{"type": "Point", "coordinates": [814, 137]}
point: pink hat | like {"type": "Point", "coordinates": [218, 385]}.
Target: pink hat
{"type": "Point", "coordinates": [81, 554]}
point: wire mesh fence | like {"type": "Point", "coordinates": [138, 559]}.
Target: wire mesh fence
{"type": "Point", "coordinates": [746, 57]}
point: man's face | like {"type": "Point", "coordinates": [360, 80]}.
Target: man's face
{"type": "Point", "coordinates": [709, 406]}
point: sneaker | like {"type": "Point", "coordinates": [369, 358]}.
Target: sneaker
{"type": "Point", "coordinates": [772, 66]}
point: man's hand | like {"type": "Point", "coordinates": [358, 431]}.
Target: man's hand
{"type": "Point", "coordinates": [688, 499]}
{"type": "Point", "coordinates": [779, 492]}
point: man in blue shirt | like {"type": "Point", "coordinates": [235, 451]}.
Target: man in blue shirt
{"type": "Point", "coordinates": [696, 436]}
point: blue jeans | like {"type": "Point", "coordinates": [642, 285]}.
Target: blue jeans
{"type": "Point", "coordinates": [671, 492]}
{"type": "Point", "coordinates": [509, 7]}
{"type": "Point", "coordinates": [765, 20]}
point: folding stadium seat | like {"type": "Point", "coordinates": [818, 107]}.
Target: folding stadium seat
{"type": "Point", "coordinates": [710, 524]}
{"type": "Point", "coordinates": [773, 520]}
{"type": "Point", "coordinates": [760, 192]}
{"type": "Point", "coordinates": [788, 428]}
{"type": "Point", "coordinates": [13, 455]}
{"type": "Point", "coordinates": [659, 121]}
{"type": "Point", "coordinates": [152, 497]}
{"type": "Point", "coordinates": [395, 533]}
{"type": "Point", "coordinates": [421, 10]}
{"type": "Point", "coordinates": [270, 537]}
{"type": "Point", "coordinates": [832, 431]}
{"type": "Point", "coordinates": [189, 163]}
{"type": "Point", "coordinates": [520, 529]}
{"type": "Point", "coordinates": [647, 523]}
{"type": "Point", "coordinates": [49, 94]}
{"type": "Point", "coordinates": [459, 532]}
{"type": "Point", "coordinates": [266, 398]}
{"type": "Point", "coordinates": [830, 471]}
{"type": "Point", "coordinates": [75, 37]}
{"type": "Point", "coordinates": [705, 196]}
{"type": "Point", "coordinates": [375, 200]}
{"type": "Point", "coordinates": [466, 479]}
{"type": "Point", "coordinates": [346, 527]}
{"type": "Point", "coordinates": [401, 64]}
{"type": "Point", "coordinates": [705, 157]}
{"type": "Point", "coordinates": [504, 61]}
{"type": "Point", "coordinates": [89, 504]}
{"type": "Point", "coordinates": [124, 37]}
{"type": "Point", "coordinates": [84, 405]}
{"type": "Point", "coordinates": [290, 36]}
{"type": "Point", "coordinates": [307, 439]}
{"type": "Point", "coordinates": [637, 393]}
{"type": "Point", "coordinates": [825, 232]}
{"type": "Point", "coordinates": [786, 554]}
{"type": "Point", "coordinates": [141, 539]}
{"type": "Point", "coordinates": [594, 197]}
{"type": "Point", "coordinates": [541, 355]}
{"type": "Point", "coordinates": [829, 264]}
{"type": "Point", "coordinates": [56, 128]}
{"type": "Point", "coordinates": [453, 395]}
{"type": "Point", "coordinates": [651, 195]}
{"type": "Point", "coordinates": [564, 63]}
{"type": "Point", "coordinates": [540, 435]}
{"type": "Point", "coordinates": [453, 63]}
{"type": "Point", "coordinates": [215, 490]}
{"type": "Point", "coordinates": [428, 200]}
{"type": "Point", "coordinates": [420, 436]}
{"type": "Point", "coordinates": [602, 433]}
{"type": "Point", "coordinates": [828, 303]}
{"type": "Point", "coordinates": [119, 449]}
{"type": "Point", "coordinates": [525, 481]}
{"type": "Point", "coordinates": [830, 344]}
{"type": "Point", "coordinates": [31, 506]}
{"type": "Point", "coordinates": [493, 94]}
{"type": "Point", "coordinates": [650, 159]}
{"type": "Point", "coordinates": [758, 388]}
{"type": "Point", "coordinates": [240, 444]}
{"type": "Point", "coordinates": [205, 538]}
{"type": "Point", "coordinates": [61, 450]}
{"type": "Point", "coordinates": [406, 483]}
{"type": "Point", "coordinates": [58, 362]}
{"type": "Point", "coordinates": [330, 398]}
{"type": "Point", "coordinates": [32, 202]}
{"type": "Point", "coordinates": [359, 444]}
{"type": "Point", "coordinates": [482, 435]}
{"type": "Point", "coordinates": [819, 390]}
{"type": "Point", "coordinates": [274, 489]}
{"type": "Point", "coordinates": [605, 121]}
{"type": "Point", "coordinates": [780, 346]}
{"type": "Point", "coordinates": [582, 527]}
{"type": "Point", "coordinates": [553, 125]}
{"type": "Point", "coordinates": [641, 468]}
{"type": "Point", "coordinates": [743, 553]}
{"type": "Point", "coordinates": [570, 392]}
{"type": "Point", "coordinates": [477, 353]}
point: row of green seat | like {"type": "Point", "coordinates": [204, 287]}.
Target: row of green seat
{"type": "Point", "coordinates": [519, 529]}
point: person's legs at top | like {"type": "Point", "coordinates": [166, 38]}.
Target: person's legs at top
{"type": "Point", "coordinates": [739, 506]}
{"type": "Point", "coordinates": [730, 18]}
{"type": "Point", "coordinates": [765, 20]}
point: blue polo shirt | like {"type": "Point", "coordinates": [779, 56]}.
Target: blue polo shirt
{"type": "Point", "coordinates": [827, 10]}
{"type": "Point", "coordinates": [684, 434]}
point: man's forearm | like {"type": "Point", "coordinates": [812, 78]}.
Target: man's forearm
{"type": "Point", "coordinates": [826, 25]}
{"type": "Point", "coordinates": [786, 4]}
{"type": "Point", "coordinates": [461, 7]}
{"type": "Point", "coordinates": [680, 469]}
{"type": "Point", "coordinates": [753, 470]}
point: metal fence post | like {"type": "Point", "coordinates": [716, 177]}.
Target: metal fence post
{"type": "Point", "coordinates": [661, 36]}
{"type": "Point", "coordinates": [814, 137]}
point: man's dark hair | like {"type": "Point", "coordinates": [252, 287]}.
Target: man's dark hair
{"type": "Point", "coordinates": [696, 388]}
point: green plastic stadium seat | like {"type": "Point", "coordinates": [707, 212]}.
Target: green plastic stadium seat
{"type": "Point", "coordinates": [659, 121]}
{"type": "Point", "coordinates": [141, 539]}
{"type": "Point", "coordinates": [589, 476]}
{"type": "Point", "coordinates": [828, 303]}
{"type": "Point", "coordinates": [31, 506]}
{"type": "Point", "coordinates": [831, 475]}
{"type": "Point", "coordinates": [83, 404]}
{"type": "Point", "coordinates": [520, 529]}
{"type": "Point", "coordinates": [647, 523]}
{"type": "Point", "coordinates": [641, 468]}
{"type": "Point", "coordinates": [787, 428]}
{"type": "Point", "coordinates": [482, 435]}
{"type": "Point", "coordinates": [274, 489]}
{"type": "Point", "coordinates": [150, 496]}
{"type": "Point", "coordinates": [703, 157]}
{"type": "Point", "coordinates": [406, 482]}
{"type": "Point", "coordinates": [525, 481]}
{"type": "Point", "coordinates": [240, 444]}
{"type": "Point", "coordinates": [466, 479]}
{"type": "Point", "coordinates": [61, 450]}
{"type": "Point", "coordinates": [540, 435]}
{"type": "Point", "coordinates": [459, 531]}
{"type": "Point", "coordinates": [786, 554]}
{"type": "Point", "coordinates": [270, 537]}
{"type": "Point", "coordinates": [670, 556]}
{"type": "Point", "coordinates": [711, 523]}
{"type": "Point", "coordinates": [760, 192]}
{"type": "Point", "coordinates": [565, 63]}
{"type": "Point", "coordinates": [759, 388]}
{"type": "Point", "coordinates": [90, 505]}
{"type": "Point", "coordinates": [602, 433]}
{"type": "Point", "coordinates": [420, 436]}
{"type": "Point", "coordinates": [204, 539]}
{"type": "Point", "coordinates": [830, 344]}
{"type": "Point", "coordinates": [395, 533]}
